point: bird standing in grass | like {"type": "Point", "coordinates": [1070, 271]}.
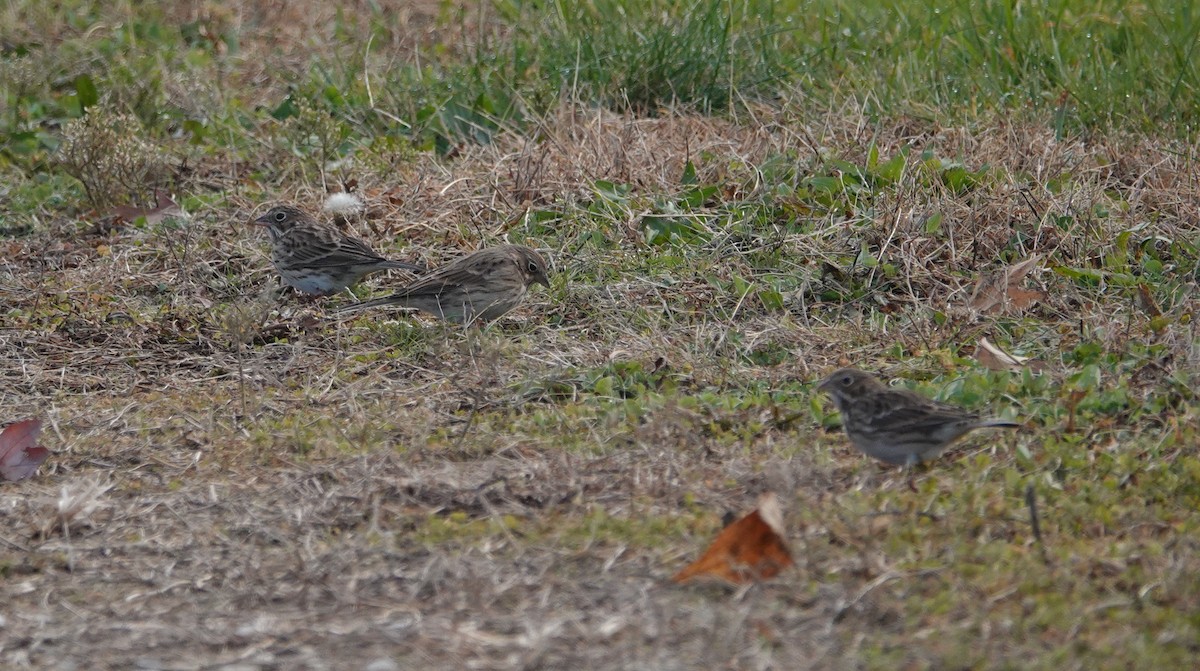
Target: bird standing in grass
{"type": "Point", "coordinates": [479, 287]}
{"type": "Point", "coordinates": [319, 259]}
{"type": "Point", "coordinates": [895, 425]}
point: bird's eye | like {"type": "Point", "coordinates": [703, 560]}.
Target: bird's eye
{"type": "Point", "coordinates": [847, 380]}
{"type": "Point", "coordinates": [280, 216]}
{"type": "Point", "coordinates": [533, 268]}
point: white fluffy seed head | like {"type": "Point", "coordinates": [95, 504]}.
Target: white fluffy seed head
{"type": "Point", "coordinates": [343, 204]}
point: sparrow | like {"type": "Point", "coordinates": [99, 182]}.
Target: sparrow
{"type": "Point", "coordinates": [478, 287]}
{"type": "Point", "coordinates": [898, 426]}
{"type": "Point", "coordinates": [316, 258]}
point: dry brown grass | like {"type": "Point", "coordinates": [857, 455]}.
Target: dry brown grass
{"type": "Point", "coordinates": [240, 481]}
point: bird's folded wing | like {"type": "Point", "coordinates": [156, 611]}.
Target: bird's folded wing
{"type": "Point", "coordinates": [327, 249]}
{"type": "Point", "coordinates": [348, 252]}
{"type": "Point", "coordinates": [920, 416]}
{"type": "Point", "coordinates": [437, 283]}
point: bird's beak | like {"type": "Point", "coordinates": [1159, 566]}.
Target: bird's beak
{"type": "Point", "coordinates": [825, 385]}
{"type": "Point", "coordinates": [542, 280]}
{"type": "Point", "coordinates": [263, 221]}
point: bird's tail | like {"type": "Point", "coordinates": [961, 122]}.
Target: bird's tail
{"type": "Point", "coordinates": [1001, 423]}
{"type": "Point", "coordinates": [401, 265]}
{"type": "Point", "coordinates": [374, 303]}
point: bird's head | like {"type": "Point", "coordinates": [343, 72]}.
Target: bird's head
{"type": "Point", "coordinates": [280, 219]}
{"type": "Point", "coordinates": [533, 267]}
{"type": "Point", "coordinates": [846, 383]}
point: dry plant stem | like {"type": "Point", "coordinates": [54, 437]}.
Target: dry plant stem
{"type": "Point", "coordinates": [238, 350]}
{"type": "Point", "coordinates": [1031, 502]}
{"type": "Point", "coordinates": [14, 545]}
{"type": "Point", "coordinates": [845, 608]}
{"type": "Point", "coordinates": [476, 394]}
{"type": "Point", "coordinates": [476, 397]}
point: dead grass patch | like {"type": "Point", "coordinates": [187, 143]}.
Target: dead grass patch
{"type": "Point", "coordinates": [333, 493]}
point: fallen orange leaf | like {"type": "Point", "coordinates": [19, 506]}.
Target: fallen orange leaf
{"type": "Point", "coordinates": [750, 549]}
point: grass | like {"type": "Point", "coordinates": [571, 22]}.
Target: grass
{"type": "Point", "coordinates": [736, 197]}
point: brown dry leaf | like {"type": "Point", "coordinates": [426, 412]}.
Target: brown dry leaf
{"type": "Point", "coordinates": [750, 549]}
{"type": "Point", "coordinates": [163, 209]}
{"type": "Point", "coordinates": [1073, 400]}
{"type": "Point", "coordinates": [1001, 291]}
{"type": "Point", "coordinates": [20, 455]}
{"type": "Point", "coordinates": [1145, 301]}
{"type": "Point", "coordinates": [994, 358]}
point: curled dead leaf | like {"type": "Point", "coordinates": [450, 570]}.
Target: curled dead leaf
{"type": "Point", "coordinates": [994, 358]}
{"type": "Point", "coordinates": [1002, 292]}
{"type": "Point", "coordinates": [750, 549]}
{"type": "Point", "coordinates": [20, 455]}
{"type": "Point", "coordinates": [1146, 302]}
{"type": "Point", "coordinates": [164, 207]}
{"type": "Point", "coordinates": [1072, 402]}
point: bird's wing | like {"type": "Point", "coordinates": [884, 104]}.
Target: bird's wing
{"type": "Point", "coordinates": [321, 247]}
{"type": "Point", "coordinates": [908, 411]}
{"type": "Point", "coordinates": [468, 271]}
{"type": "Point", "coordinates": [351, 251]}
{"type": "Point", "coordinates": [347, 251]}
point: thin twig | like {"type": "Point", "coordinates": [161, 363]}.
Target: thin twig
{"type": "Point", "coordinates": [1031, 501]}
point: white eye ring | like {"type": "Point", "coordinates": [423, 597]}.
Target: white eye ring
{"type": "Point", "coordinates": [280, 216]}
